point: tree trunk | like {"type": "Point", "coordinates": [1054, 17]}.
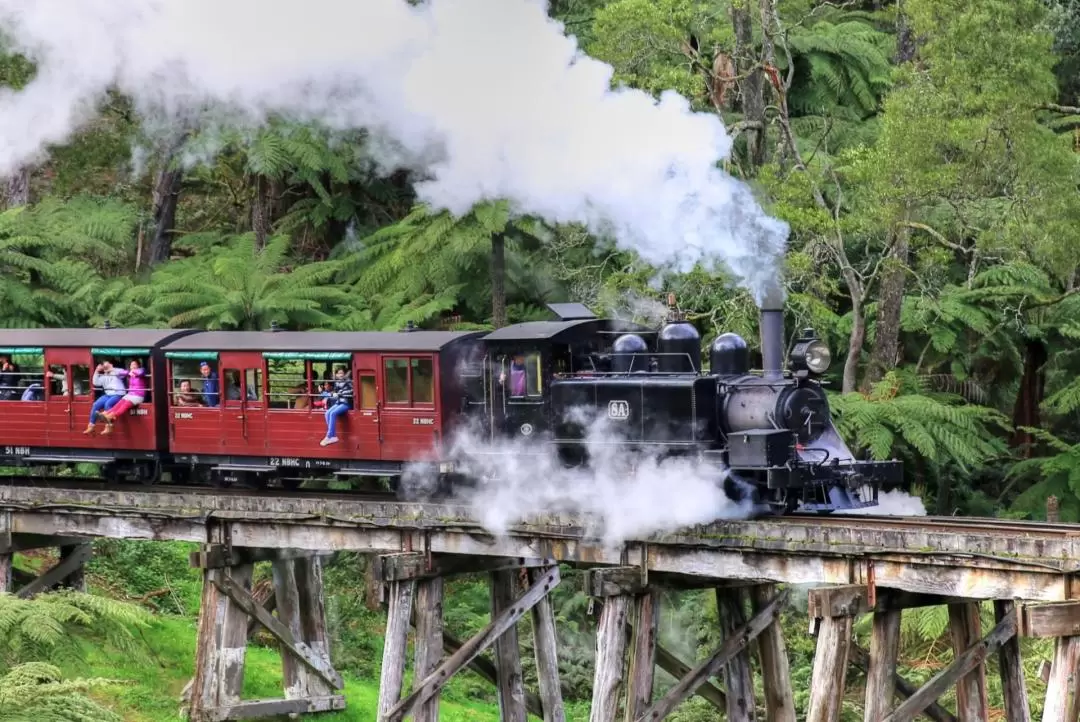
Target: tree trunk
{"type": "Point", "coordinates": [905, 38]}
{"type": "Point", "coordinates": [17, 192]}
{"type": "Point", "coordinates": [855, 344]}
{"type": "Point", "coordinates": [498, 280]}
{"type": "Point", "coordinates": [1029, 397]}
{"type": "Point", "coordinates": [166, 197]}
{"type": "Point", "coordinates": [752, 83]}
{"type": "Point", "coordinates": [261, 211]}
{"type": "Point", "coordinates": [886, 350]}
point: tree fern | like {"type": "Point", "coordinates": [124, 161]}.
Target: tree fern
{"type": "Point", "coordinates": [234, 286]}
{"type": "Point", "coordinates": [37, 692]}
{"type": "Point", "coordinates": [901, 416]}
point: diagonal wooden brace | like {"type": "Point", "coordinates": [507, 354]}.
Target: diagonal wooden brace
{"type": "Point", "coordinates": [58, 573]}
{"type": "Point", "coordinates": [969, 660]}
{"type": "Point", "coordinates": [740, 640]}
{"type": "Point", "coordinates": [475, 646]}
{"type": "Point", "coordinates": [245, 601]}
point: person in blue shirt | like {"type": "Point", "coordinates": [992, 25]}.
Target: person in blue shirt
{"type": "Point", "coordinates": [211, 388]}
{"type": "Point", "coordinates": [338, 403]}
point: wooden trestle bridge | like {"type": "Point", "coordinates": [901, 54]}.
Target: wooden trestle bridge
{"type": "Point", "coordinates": [871, 565]}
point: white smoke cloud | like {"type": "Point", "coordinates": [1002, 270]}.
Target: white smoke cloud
{"type": "Point", "coordinates": [488, 98]}
{"type": "Point", "coordinates": [893, 503]}
{"type": "Point", "coordinates": [616, 498]}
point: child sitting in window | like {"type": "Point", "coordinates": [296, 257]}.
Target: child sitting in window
{"type": "Point", "coordinates": [339, 401]}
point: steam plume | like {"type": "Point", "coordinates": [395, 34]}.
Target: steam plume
{"type": "Point", "coordinates": [486, 98]}
{"type": "Point", "coordinates": [618, 498]}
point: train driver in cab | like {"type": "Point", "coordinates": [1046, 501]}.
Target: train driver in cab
{"type": "Point", "coordinates": [518, 377]}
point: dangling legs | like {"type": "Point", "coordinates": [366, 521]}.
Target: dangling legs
{"type": "Point", "coordinates": [121, 407]}
{"type": "Point", "coordinates": [100, 406]}
{"type": "Point", "coordinates": [331, 423]}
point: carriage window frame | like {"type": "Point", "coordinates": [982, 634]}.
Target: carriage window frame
{"type": "Point", "coordinates": [31, 365]}
{"type": "Point", "coordinates": [189, 371]}
{"type": "Point", "coordinates": [319, 367]}
{"type": "Point", "coordinates": [390, 380]}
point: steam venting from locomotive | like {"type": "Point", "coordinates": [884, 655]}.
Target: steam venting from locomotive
{"type": "Point", "coordinates": [483, 99]}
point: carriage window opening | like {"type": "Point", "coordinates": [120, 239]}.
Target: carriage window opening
{"type": "Point", "coordinates": [58, 381]}
{"type": "Point", "coordinates": [396, 371]}
{"type": "Point", "coordinates": [423, 381]}
{"type": "Point", "coordinates": [231, 379]}
{"type": "Point", "coordinates": [81, 380]}
{"type": "Point", "coordinates": [253, 381]}
{"type": "Point", "coordinates": [187, 384]}
{"type": "Point", "coordinates": [288, 383]}
{"type": "Point", "coordinates": [22, 376]}
{"type": "Point", "coordinates": [368, 395]}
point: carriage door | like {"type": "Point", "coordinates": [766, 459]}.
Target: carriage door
{"type": "Point", "coordinates": [366, 413]}
{"type": "Point", "coordinates": [243, 405]}
{"type": "Point", "coordinates": [69, 395]}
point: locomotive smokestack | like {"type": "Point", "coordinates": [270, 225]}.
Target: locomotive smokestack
{"type": "Point", "coordinates": [772, 342]}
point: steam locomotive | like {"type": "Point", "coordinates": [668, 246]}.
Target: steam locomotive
{"type": "Point", "coordinates": [770, 434]}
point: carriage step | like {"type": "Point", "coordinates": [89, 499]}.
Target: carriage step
{"type": "Point", "coordinates": [242, 467]}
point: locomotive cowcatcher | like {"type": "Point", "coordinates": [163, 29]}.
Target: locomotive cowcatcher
{"type": "Point", "coordinates": [243, 407]}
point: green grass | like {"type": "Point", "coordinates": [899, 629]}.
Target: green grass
{"type": "Point", "coordinates": [152, 686]}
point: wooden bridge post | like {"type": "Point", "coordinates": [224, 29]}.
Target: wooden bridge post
{"type": "Point", "coordinates": [617, 587]}
{"type": "Point", "coordinates": [1062, 621]}
{"type": "Point", "coordinates": [510, 683]}
{"type": "Point", "coordinates": [545, 647]}
{"type": "Point", "coordinates": [228, 604]}
{"type": "Point", "coordinates": [965, 627]}
{"type": "Point", "coordinates": [775, 671]}
{"type": "Point", "coordinates": [831, 619]}
{"type": "Point", "coordinates": [67, 572]}
{"type": "Point", "coordinates": [738, 675]}
{"type": "Point", "coordinates": [645, 634]}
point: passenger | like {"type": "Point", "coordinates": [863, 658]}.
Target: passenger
{"type": "Point", "coordinates": [187, 397]}
{"type": "Point", "coordinates": [34, 392]}
{"type": "Point", "coordinates": [300, 399]}
{"type": "Point", "coordinates": [9, 379]}
{"type": "Point", "coordinates": [339, 402]}
{"type": "Point", "coordinates": [111, 382]}
{"type": "Point", "coordinates": [211, 387]}
{"type": "Point", "coordinates": [136, 394]}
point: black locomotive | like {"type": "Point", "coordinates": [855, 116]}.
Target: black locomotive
{"type": "Point", "coordinates": [770, 433]}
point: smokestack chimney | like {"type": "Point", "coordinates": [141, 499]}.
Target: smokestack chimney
{"type": "Point", "coordinates": [772, 343]}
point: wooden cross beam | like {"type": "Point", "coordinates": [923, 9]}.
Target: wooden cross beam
{"type": "Point", "coordinates": [416, 565]}
{"type": "Point", "coordinates": [58, 573]}
{"type": "Point", "coordinates": [501, 622]}
{"type": "Point", "coordinates": [301, 651]}
{"type": "Point", "coordinates": [738, 641]}
{"type": "Point", "coordinates": [960, 667]}
{"type": "Point", "coordinates": [904, 689]}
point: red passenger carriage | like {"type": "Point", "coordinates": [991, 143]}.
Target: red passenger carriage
{"type": "Point", "coordinates": [262, 417]}
{"type": "Point", "coordinates": [45, 402]}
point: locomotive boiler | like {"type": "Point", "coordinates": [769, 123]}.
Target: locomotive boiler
{"type": "Point", "coordinates": [769, 434]}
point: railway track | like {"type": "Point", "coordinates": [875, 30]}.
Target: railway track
{"type": "Point", "coordinates": [976, 525]}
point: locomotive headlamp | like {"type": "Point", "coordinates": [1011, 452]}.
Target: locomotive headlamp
{"type": "Point", "coordinates": [810, 354]}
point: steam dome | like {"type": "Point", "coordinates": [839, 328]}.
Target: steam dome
{"type": "Point", "coordinates": [680, 348]}
{"type": "Point", "coordinates": [627, 353]}
{"type": "Point", "coordinates": [729, 355]}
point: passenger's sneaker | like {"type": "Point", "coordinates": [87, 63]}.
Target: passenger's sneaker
{"type": "Point", "coordinates": [89, 429]}
{"type": "Point", "coordinates": [328, 441]}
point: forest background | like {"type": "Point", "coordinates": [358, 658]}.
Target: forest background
{"type": "Point", "coordinates": [924, 152]}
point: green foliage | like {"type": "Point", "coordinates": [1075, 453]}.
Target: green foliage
{"type": "Point", "coordinates": [52, 627]}
{"type": "Point", "coordinates": [37, 692]}
{"type": "Point", "coordinates": [156, 573]}
{"type": "Point", "coordinates": [234, 285]}
{"type": "Point", "coordinates": [900, 416]}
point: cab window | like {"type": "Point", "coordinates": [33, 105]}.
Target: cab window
{"type": "Point", "coordinates": [521, 375]}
